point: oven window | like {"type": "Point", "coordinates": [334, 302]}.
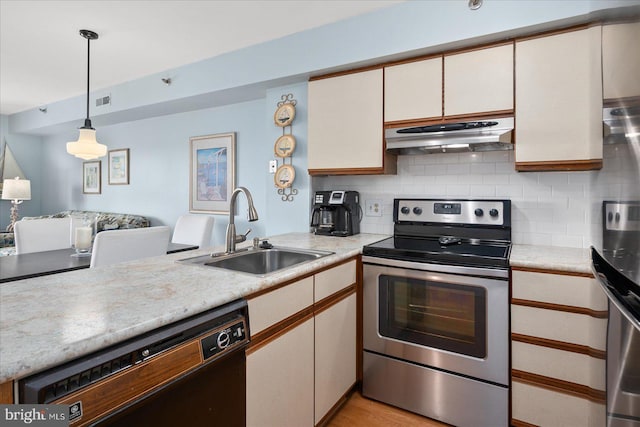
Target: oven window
{"type": "Point", "coordinates": [446, 316]}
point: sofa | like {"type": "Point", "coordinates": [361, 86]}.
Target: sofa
{"type": "Point", "coordinates": [104, 221]}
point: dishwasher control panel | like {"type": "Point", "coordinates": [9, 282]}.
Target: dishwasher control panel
{"type": "Point", "coordinates": [202, 338]}
{"type": "Point", "coordinates": [226, 338]}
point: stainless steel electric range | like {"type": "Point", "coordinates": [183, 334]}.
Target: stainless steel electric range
{"type": "Point", "coordinates": [436, 311]}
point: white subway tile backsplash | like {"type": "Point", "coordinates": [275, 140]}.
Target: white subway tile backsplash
{"type": "Point", "coordinates": [548, 208]}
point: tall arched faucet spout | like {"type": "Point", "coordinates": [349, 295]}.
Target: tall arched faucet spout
{"type": "Point", "coordinates": [232, 238]}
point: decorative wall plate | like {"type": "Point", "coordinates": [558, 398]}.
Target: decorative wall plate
{"type": "Point", "coordinates": [284, 176]}
{"type": "Point", "coordinates": [284, 146]}
{"type": "Point", "coordinates": [284, 115]}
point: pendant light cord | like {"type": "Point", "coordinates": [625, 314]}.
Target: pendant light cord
{"type": "Point", "coordinates": [89, 35]}
{"type": "Point", "coordinates": [88, 121]}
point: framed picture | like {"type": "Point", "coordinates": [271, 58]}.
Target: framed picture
{"type": "Point", "coordinates": [91, 177]}
{"type": "Point", "coordinates": [212, 172]}
{"type": "Point", "coordinates": [119, 167]}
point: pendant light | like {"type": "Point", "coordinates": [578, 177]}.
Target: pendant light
{"type": "Point", "coordinates": [87, 147]}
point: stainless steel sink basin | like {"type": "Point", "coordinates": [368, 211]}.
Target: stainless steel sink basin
{"type": "Point", "coordinates": [259, 262]}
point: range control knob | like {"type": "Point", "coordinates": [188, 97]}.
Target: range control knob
{"type": "Point", "coordinates": [405, 210]}
{"type": "Point", "coordinates": [610, 216]}
{"type": "Point", "coordinates": [417, 210]}
{"type": "Point", "coordinates": [617, 216]}
{"type": "Point", "coordinates": [223, 340]}
{"type": "Point", "coordinates": [478, 212]}
{"type": "Point", "coordinates": [493, 212]}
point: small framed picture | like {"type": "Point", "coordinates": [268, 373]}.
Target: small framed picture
{"type": "Point", "coordinates": [91, 177]}
{"type": "Point", "coordinates": [119, 167]}
{"type": "Point", "coordinates": [212, 169]}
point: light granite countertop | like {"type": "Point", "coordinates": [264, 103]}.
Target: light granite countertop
{"type": "Point", "coordinates": [49, 320]}
{"type": "Point", "coordinates": [572, 260]}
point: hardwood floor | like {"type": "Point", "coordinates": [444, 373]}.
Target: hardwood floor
{"type": "Point", "coordinates": [362, 412]}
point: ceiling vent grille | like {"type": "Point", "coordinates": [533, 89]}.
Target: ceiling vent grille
{"type": "Point", "coordinates": [105, 100]}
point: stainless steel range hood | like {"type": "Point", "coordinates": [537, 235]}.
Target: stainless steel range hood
{"type": "Point", "coordinates": [490, 135]}
{"type": "Point", "coordinates": [620, 124]}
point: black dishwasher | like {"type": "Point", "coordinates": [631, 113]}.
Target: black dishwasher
{"type": "Point", "coordinates": [191, 372]}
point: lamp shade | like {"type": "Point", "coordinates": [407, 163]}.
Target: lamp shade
{"type": "Point", "coordinates": [86, 147]}
{"type": "Point", "coordinates": [16, 189]}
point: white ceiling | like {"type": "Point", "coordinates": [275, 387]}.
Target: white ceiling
{"type": "Point", "coordinates": [43, 58]}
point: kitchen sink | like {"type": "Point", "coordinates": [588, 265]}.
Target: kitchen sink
{"type": "Point", "coordinates": [260, 262]}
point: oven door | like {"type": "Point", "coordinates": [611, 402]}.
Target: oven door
{"type": "Point", "coordinates": [433, 316]}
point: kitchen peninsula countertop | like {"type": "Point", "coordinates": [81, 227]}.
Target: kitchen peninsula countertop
{"type": "Point", "coordinates": [49, 320]}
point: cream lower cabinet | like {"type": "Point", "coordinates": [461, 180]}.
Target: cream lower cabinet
{"type": "Point", "coordinates": [302, 360]}
{"type": "Point", "coordinates": [559, 101]}
{"type": "Point", "coordinates": [280, 380]}
{"type": "Point", "coordinates": [558, 327]}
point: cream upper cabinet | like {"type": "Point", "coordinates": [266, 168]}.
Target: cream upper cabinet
{"type": "Point", "coordinates": [413, 90]}
{"type": "Point", "coordinates": [621, 60]}
{"type": "Point", "coordinates": [345, 124]}
{"type": "Point", "coordinates": [559, 101]}
{"type": "Point", "coordinates": [479, 81]}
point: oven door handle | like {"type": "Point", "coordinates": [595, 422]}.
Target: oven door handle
{"type": "Point", "coordinates": [502, 273]}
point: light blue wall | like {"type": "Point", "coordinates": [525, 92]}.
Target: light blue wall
{"type": "Point", "coordinates": [27, 151]}
{"type": "Point", "coordinates": [159, 167]}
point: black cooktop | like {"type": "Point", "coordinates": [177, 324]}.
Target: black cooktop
{"type": "Point", "coordinates": [451, 251]}
{"type": "Point", "coordinates": [461, 232]}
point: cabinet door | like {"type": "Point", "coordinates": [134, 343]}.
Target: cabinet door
{"type": "Point", "coordinates": [345, 124]}
{"type": "Point", "coordinates": [413, 90]}
{"type": "Point", "coordinates": [335, 354]}
{"type": "Point", "coordinates": [479, 81]}
{"type": "Point", "coordinates": [621, 60]}
{"type": "Point", "coordinates": [280, 381]}
{"type": "Point", "coordinates": [559, 102]}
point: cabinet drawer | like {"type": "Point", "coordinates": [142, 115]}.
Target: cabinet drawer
{"type": "Point", "coordinates": [542, 407]}
{"type": "Point", "coordinates": [573, 291]}
{"type": "Point", "coordinates": [559, 326]}
{"type": "Point", "coordinates": [564, 365]}
{"type": "Point", "coordinates": [331, 281]}
{"type": "Point", "coordinates": [273, 307]}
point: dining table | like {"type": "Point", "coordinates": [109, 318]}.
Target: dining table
{"type": "Point", "coordinates": [35, 264]}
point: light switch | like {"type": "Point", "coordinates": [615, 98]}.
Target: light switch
{"type": "Point", "coordinates": [273, 165]}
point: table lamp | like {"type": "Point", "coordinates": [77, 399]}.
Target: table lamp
{"type": "Point", "coordinates": [17, 190]}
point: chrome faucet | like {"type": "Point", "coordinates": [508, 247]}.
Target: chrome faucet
{"type": "Point", "coordinates": [232, 238]}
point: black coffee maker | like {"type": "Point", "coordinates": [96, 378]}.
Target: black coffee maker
{"type": "Point", "coordinates": [336, 213]}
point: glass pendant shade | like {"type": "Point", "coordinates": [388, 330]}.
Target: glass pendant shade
{"type": "Point", "coordinates": [87, 147]}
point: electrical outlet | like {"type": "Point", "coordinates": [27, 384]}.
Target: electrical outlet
{"type": "Point", "coordinates": [273, 165]}
{"type": "Point", "coordinates": [373, 208]}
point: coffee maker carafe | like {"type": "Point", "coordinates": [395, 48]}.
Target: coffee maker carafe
{"type": "Point", "coordinates": [336, 213]}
